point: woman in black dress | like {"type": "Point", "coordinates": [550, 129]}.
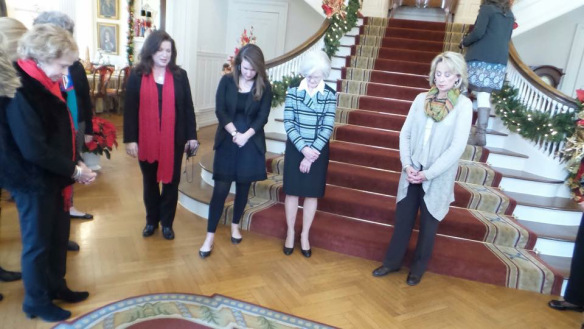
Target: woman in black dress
{"type": "Point", "coordinates": [243, 104]}
{"type": "Point", "coordinates": [309, 116]}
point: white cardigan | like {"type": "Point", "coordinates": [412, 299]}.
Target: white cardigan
{"type": "Point", "coordinates": [439, 156]}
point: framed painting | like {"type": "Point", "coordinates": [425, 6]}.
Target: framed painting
{"type": "Point", "coordinates": [107, 38]}
{"type": "Point", "coordinates": [108, 9]}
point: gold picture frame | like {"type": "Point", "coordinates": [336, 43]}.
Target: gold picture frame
{"type": "Point", "coordinates": [108, 38]}
{"type": "Point", "coordinates": [109, 9]}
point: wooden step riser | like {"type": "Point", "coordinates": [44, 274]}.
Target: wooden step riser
{"type": "Point", "coordinates": [532, 187]}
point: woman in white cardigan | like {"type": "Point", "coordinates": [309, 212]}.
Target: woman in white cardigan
{"type": "Point", "coordinates": [431, 141]}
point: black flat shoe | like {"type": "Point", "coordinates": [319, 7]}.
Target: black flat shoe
{"type": "Point", "coordinates": [306, 253]}
{"type": "Point", "coordinates": [49, 313]}
{"type": "Point", "coordinates": [562, 305]}
{"type": "Point", "coordinates": [236, 241]}
{"type": "Point", "coordinates": [72, 246]}
{"type": "Point", "coordinates": [205, 254]}
{"type": "Point", "coordinates": [84, 216]}
{"type": "Point", "coordinates": [1, 297]}
{"type": "Point", "coordinates": [148, 230]}
{"type": "Point", "coordinates": [382, 271]}
{"type": "Point", "coordinates": [168, 233]}
{"type": "Point", "coordinates": [70, 296]}
{"type": "Point", "coordinates": [288, 251]}
{"type": "Point", "coordinates": [9, 276]}
{"type": "Point", "coordinates": [413, 279]}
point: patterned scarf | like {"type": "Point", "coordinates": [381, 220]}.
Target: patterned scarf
{"type": "Point", "coordinates": [438, 109]}
{"type": "Point", "coordinates": [31, 68]}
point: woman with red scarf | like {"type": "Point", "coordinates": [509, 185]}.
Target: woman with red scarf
{"type": "Point", "coordinates": [39, 164]}
{"type": "Point", "coordinates": [159, 126]}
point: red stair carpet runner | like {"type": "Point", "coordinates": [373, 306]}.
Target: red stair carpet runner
{"type": "Point", "coordinates": [478, 239]}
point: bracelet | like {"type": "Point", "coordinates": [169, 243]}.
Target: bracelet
{"type": "Point", "coordinates": [233, 133]}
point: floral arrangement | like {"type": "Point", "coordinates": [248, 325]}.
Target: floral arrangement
{"type": "Point", "coordinates": [244, 39]}
{"type": "Point", "coordinates": [104, 138]}
{"type": "Point", "coordinates": [573, 154]}
{"type": "Point", "coordinates": [334, 7]}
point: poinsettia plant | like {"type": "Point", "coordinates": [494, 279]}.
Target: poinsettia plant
{"type": "Point", "coordinates": [334, 7]}
{"type": "Point", "coordinates": [104, 138]}
{"type": "Point", "coordinates": [244, 39]}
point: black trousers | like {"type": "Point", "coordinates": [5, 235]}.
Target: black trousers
{"type": "Point", "coordinates": [44, 227]}
{"type": "Point", "coordinates": [220, 192]}
{"type": "Point", "coordinates": [405, 218]}
{"type": "Point", "coordinates": [161, 207]}
{"type": "Point", "coordinates": [575, 289]}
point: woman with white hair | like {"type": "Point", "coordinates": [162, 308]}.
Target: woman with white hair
{"type": "Point", "coordinates": [309, 117]}
{"type": "Point", "coordinates": [431, 141]}
{"type": "Point", "coordinates": [39, 164]}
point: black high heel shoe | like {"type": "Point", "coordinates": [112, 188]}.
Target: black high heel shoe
{"type": "Point", "coordinates": [306, 253]}
{"type": "Point", "coordinates": [205, 254]}
{"type": "Point", "coordinates": [49, 313]}
{"type": "Point", "coordinates": [288, 251]}
{"type": "Point", "coordinates": [70, 296]}
{"type": "Point", "coordinates": [236, 241]}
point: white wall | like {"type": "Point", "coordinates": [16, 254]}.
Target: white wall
{"type": "Point", "coordinates": [303, 21]}
{"type": "Point", "coordinates": [213, 26]}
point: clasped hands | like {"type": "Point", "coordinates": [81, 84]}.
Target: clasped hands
{"type": "Point", "coordinates": [310, 155]}
{"type": "Point", "coordinates": [415, 176]}
{"type": "Point", "coordinates": [87, 175]}
{"type": "Point", "coordinates": [240, 139]}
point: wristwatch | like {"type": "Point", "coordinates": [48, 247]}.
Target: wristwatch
{"type": "Point", "coordinates": [233, 133]}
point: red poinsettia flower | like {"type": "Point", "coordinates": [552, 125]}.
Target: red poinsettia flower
{"type": "Point", "coordinates": [104, 137]}
{"type": "Point", "coordinates": [515, 25]}
{"type": "Point", "coordinates": [580, 123]}
{"type": "Point", "coordinates": [328, 10]}
{"type": "Point", "coordinates": [580, 95]}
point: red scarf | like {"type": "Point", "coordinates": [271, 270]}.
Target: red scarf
{"type": "Point", "coordinates": [156, 134]}
{"type": "Point", "coordinates": [31, 68]}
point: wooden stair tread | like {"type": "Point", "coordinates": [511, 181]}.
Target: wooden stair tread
{"type": "Point", "coordinates": [206, 161]}
{"type": "Point", "coordinates": [494, 132]}
{"type": "Point", "coordinates": [551, 231]}
{"type": "Point", "coordinates": [556, 203]}
{"type": "Point", "coordinates": [519, 174]}
{"type": "Point", "coordinates": [497, 150]}
{"type": "Point", "coordinates": [560, 264]}
{"type": "Point", "coordinates": [276, 136]}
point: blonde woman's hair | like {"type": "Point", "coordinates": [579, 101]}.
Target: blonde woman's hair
{"type": "Point", "coordinates": [316, 61]}
{"type": "Point", "coordinates": [46, 42]}
{"type": "Point", "coordinates": [9, 80]}
{"type": "Point", "coordinates": [456, 64]}
{"type": "Point", "coordinates": [13, 31]}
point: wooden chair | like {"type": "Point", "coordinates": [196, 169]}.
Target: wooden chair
{"type": "Point", "coordinates": [101, 79]}
{"type": "Point", "coordinates": [117, 93]}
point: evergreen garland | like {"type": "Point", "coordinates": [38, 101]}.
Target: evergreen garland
{"type": "Point", "coordinates": [279, 88]}
{"type": "Point", "coordinates": [535, 126]}
{"type": "Point", "coordinates": [339, 26]}
{"type": "Point", "coordinates": [130, 42]}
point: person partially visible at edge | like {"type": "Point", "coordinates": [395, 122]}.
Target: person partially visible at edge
{"type": "Point", "coordinates": [159, 127]}
{"type": "Point", "coordinates": [574, 294]}
{"type": "Point", "coordinates": [78, 101]}
{"type": "Point", "coordinates": [9, 82]}
{"type": "Point", "coordinates": [431, 142]}
{"type": "Point", "coordinates": [309, 117]}
{"type": "Point", "coordinates": [242, 106]}
{"type": "Point", "coordinates": [487, 56]}
{"type": "Point", "coordinates": [39, 165]}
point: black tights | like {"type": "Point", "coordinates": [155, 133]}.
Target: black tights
{"type": "Point", "coordinates": [220, 192]}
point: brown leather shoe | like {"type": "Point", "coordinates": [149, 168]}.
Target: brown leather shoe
{"type": "Point", "coordinates": [382, 271]}
{"type": "Point", "coordinates": [413, 279]}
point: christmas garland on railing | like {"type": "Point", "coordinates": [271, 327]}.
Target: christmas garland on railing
{"type": "Point", "coordinates": [342, 21]}
{"type": "Point", "coordinates": [535, 126]}
{"type": "Point", "coordinates": [279, 88]}
{"type": "Point", "coordinates": [130, 42]}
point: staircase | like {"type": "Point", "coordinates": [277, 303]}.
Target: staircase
{"type": "Point", "coordinates": [384, 68]}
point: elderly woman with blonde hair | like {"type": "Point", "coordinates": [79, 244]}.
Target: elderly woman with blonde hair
{"type": "Point", "coordinates": [309, 116]}
{"type": "Point", "coordinates": [39, 164]}
{"type": "Point", "coordinates": [431, 141]}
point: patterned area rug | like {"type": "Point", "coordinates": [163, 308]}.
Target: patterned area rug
{"type": "Point", "coordinates": [186, 311]}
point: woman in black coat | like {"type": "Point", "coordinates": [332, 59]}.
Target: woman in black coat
{"type": "Point", "coordinates": [242, 106]}
{"type": "Point", "coordinates": [159, 126]}
{"type": "Point", "coordinates": [39, 164]}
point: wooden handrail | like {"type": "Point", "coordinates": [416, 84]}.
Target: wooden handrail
{"type": "Point", "coordinates": [300, 49]}
{"type": "Point", "coordinates": [535, 80]}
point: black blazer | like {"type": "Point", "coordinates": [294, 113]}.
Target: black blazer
{"type": "Point", "coordinates": [35, 139]}
{"type": "Point", "coordinates": [185, 124]}
{"type": "Point", "coordinates": [257, 112]}
{"type": "Point", "coordinates": [81, 86]}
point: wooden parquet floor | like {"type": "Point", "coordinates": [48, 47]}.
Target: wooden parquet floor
{"type": "Point", "coordinates": [116, 262]}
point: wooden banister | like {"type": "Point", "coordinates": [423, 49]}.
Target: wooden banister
{"type": "Point", "coordinates": [301, 48]}
{"type": "Point", "coordinates": [535, 80]}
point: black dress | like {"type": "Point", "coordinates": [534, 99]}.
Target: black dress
{"type": "Point", "coordinates": [311, 184]}
{"type": "Point", "coordinates": [232, 163]}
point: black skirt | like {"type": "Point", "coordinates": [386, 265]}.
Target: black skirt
{"type": "Point", "coordinates": [312, 184]}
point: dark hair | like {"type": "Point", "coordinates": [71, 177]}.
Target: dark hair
{"type": "Point", "coordinates": [505, 5]}
{"type": "Point", "coordinates": [151, 47]}
{"type": "Point", "coordinates": [253, 54]}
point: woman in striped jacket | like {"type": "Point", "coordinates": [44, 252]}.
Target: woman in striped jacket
{"type": "Point", "coordinates": [309, 116]}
